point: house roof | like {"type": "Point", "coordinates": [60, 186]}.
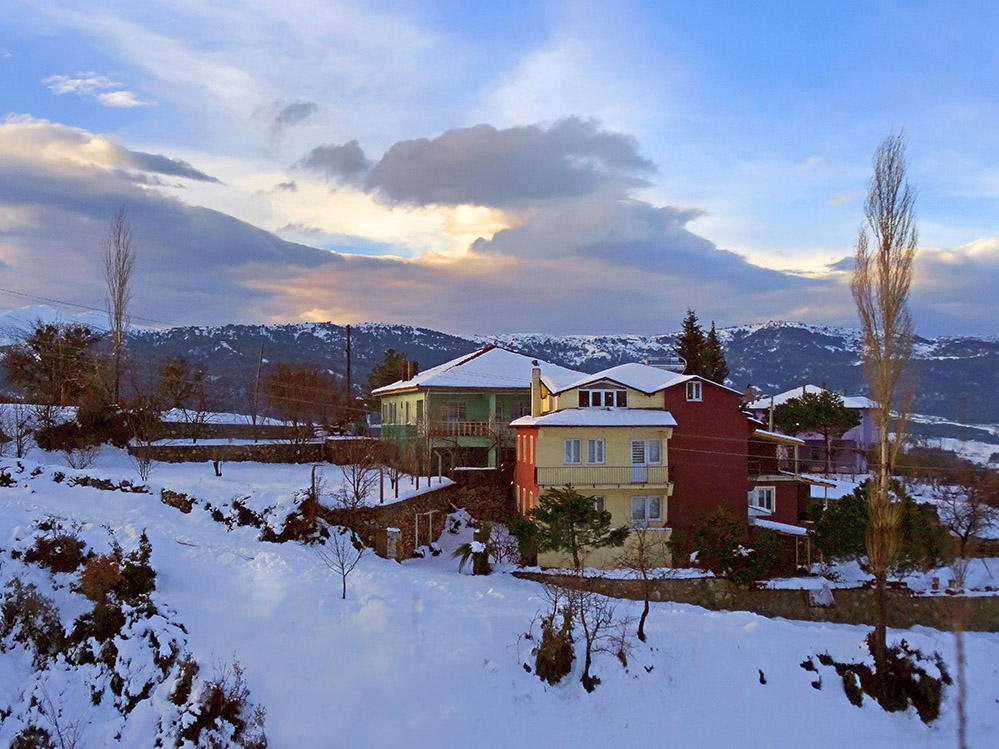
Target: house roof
{"type": "Point", "coordinates": [850, 401]}
{"type": "Point", "coordinates": [791, 530]}
{"type": "Point", "coordinates": [489, 368]}
{"type": "Point", "coordinates": [641, 377]}
{"type": "Point", "coordinates": [600, 417]}
{"type": "Point", "coordinates": [782, 439]}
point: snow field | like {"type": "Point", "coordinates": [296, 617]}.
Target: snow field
{"type": "Point", "coordinates": [421, 656]}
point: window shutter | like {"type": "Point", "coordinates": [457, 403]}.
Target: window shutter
{"type": "Point", "coordinates": [638, 452]}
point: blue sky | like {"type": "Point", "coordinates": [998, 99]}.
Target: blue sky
{"type": "Point", "coordinates": [446, 161]}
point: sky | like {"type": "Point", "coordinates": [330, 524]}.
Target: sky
{"type": "Point", "coordinates": [559, 167]}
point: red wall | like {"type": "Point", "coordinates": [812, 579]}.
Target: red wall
{"type": "Point", "coordinates": [707, 454]}
{"type": "Point", "coordinates": [523, 469]}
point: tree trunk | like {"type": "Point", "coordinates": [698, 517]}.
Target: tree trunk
{"type": "Point", "coordinates": [641, 621]}
{"type": "Point", "coordinates": [880, 649]}
{"type": "Point", "coordinates": [343, 594]}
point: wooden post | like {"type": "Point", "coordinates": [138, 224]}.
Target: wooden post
{"type": "Point", "coordinates": [381, 485]}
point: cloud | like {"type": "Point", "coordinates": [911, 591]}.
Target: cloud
{"type": "Point", "coordinates": [292, 114]}
{"type": "Point", "coordinates": [286, 186]}
{"type": "Point", "coordinates": [344, 163]}
{"type": "Point", "coordinates": [840, 199]}
{"type": "Point", "coordinates": [843, 264]}
{"type": "Point", "coordinates": [40, 140]}
{"type": "Point", "coordinates": [481, 165]}
{"type": "Point", "coordinates": [95, 86]}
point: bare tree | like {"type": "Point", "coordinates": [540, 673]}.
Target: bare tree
{"type": "Point", "coordinates": [596, 615]}
{"type": "Point", "coordinates": [646, 557]}
{"type": "Point", "coordinates": [968, 506]}
{"type": "Point", "coordinates": [342, 553]}
{"type": "Point", "coordinates": [360, 473]}
{"type": "Point", "coordinates": [118, 258]}
{"type": "Point", "coordinates": [886, 248]}
{"type": "Point", "coordinates": [18, 423]}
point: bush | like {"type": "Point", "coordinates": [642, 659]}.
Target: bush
{"type": "Point", "coordinates": [224, 709]}
{"type": "Point", "coordinates": [840, 531]}
{"type": "Point", "coordinates": [721, 540]}
{"type": "Point", "coordinates": [138, 578]}
{"type": "Point", "coordinates": [555, 655]}
{"type": "Point", "coordinates": [33, 737]}
{"type": "Point", "coordinates": [33, 619]}
{"type": "Point", "coordinates": [57, 551]}
{"type": "Point", "coordinates": [99, 577]}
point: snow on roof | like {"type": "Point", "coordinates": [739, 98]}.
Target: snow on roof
{"type": "Point", "coordinates": [850, 401]}
{"type": "Point", "coordinates": [602, 417]}
{"type": "Point", "coordinates": [778, 437]}
{"type": "Point", "coordinates": [489, 367]}
{"type": "Point", "coordinates": [794, 530]}
{"type": "Point", "coordinates": [633, 375]}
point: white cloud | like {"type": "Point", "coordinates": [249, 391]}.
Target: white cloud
{"type": "Point", "coordinates": [96, 86]}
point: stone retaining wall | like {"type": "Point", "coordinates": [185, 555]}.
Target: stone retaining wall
{"type": "Point", "coordinates": [850, 605]}
{"type": "Point", "coordinates": [178, 430]}
{"type": "Point", "coordinates": [269, 452]}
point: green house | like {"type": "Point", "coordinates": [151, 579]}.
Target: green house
{"type": "Point", "coordinates": [461, 410]}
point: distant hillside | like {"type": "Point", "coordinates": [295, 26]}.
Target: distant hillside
{"type": "Point", "coordinates": [957, 376]}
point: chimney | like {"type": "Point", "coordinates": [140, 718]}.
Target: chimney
{"type": "Point", "coordinates": [412, 369]}
{"type": "Point", "coordinates": [536, 391]}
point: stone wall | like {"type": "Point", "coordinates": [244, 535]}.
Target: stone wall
{"type": "Point", "coordinates": [850, 605]}
{"type": "Point", "coordinates": [265, 452]}
{"type": "Point", "coordinates": [178, 430]}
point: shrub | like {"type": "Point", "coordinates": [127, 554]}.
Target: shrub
{"type": "Point", "coordinates": [224, 707]}
{"type": "Point", "coordinates": [526, 534]}
{"type": "Point", "coordinates": [33, 737]}
{"type": "Point", "coordinates": [720, 541]}
{"type": "Point", "coordinates": [99, 577]}
{"type": "Point", "coordinates": [32, 619]}
{"type": "Point", "coordinates": [186, 672]}
{"type": "Point", "coordinates": [138, 578]}
{"type": "Point", "coordinates": [57, 551]}
{"type": "Point", "coordinates": [555, 655]}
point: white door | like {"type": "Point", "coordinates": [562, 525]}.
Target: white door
{"type": "Point", "coordinates": [639, 462]}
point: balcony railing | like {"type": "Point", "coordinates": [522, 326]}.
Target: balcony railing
{"type": "Point", "coordinates": [635, 475]}
{"type": "Point", "coordinates": [464, 429]}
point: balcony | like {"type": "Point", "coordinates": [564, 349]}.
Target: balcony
{"type": "Point", "coordinates": [606, 476]}
{"type": "Point", "coordinates": [443, 429]}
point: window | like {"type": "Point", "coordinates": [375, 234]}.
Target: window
{"type": "Point", "coordinates": [571, 456]}
{"type": "Point", "coordinates": [407, 413]}
{"type": "Point", "coordinates": [603, 398]}
{"type": "Point", "coordinates": [595, 450]}
{"type": "Point", "coordinates": [419, 412]}
{"type": "Point", "coordinates": [694, 390]}
{"type": "Point", "coordinates": [646, 452]}
{"type": "Point", "coordinates": [522, 409]}
{"type": "Point", "coordinates": [598, 503]}
{"type": "Point", "coordinates": [646, 510]}
{"type": "Point", "coordinates": [533, 461]}
{"type": "Point", "coordinates": [455, 411]}
{"type": "Point", "coordinates": [764, 497]}
{"type": "Point", "coordinates": [498, 413]}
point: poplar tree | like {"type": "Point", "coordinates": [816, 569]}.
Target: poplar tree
{"type": "Point", "coordinates": [886, 249]}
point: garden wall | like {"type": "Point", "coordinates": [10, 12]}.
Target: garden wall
{"type": "Point", "coordinates": [849, 606]}
{"type": "Point", "coordinates": [265, 452]}
{"type": "Point", "coordinates": [178, 430]}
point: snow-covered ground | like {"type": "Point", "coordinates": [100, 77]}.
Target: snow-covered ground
{"type": "Point", "coordinates": [421, 656]}
{"type": "Point", "coordinates": [981, 578]}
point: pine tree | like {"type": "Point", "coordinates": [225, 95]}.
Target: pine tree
{"type": "Point", "coordinates": [822, 412]}
{"type": "Point", "coordinates": [690, 344]}
{"type": "Point", "coordinates": [713, 365]}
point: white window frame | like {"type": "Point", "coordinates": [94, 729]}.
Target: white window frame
{"type": "Point", "coordinates": [759, 492]}
{"type": "Point", "coordinates": [695, 390]}
{"type": "Point", "coordinates": [617, 397]}
{"type": "Point", "coordinates": [572, 454]}
{"type": "Point", "coordinates": [646, 452]}
{"type": "Point", "coordinates": [599, 503]}
{"type": "Point", "coordinates": [596, 451]}
{"type": "Point", "coordinates": [460, 411]}
{"type": "Point", "coordinates": [648, 501]}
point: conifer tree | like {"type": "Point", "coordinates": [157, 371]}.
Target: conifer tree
{"type": "Point", "coordinates": [690, 343]}
{"type": "Point", "coordinates": [713, 364]}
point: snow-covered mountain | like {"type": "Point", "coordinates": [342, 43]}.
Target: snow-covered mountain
{"type": "Point", "coordinates": [956, 375]}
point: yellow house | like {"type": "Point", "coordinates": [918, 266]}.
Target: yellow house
{"type": "Point", "coordinates": [606, 435]}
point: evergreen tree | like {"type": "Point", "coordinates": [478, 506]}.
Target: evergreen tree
{"type": "Point", "coordinates": [389, 371]}
{"type": "Point", "coordinates": [713, 365]}
{"type": "Point", "coordinates": [821, 412]}
{"type": "Point", "coordinates": [567, 521]}
{"type": "Point", "coordinates": [54, 364]}
{"type": "Point", "coordinates": [690, 344]}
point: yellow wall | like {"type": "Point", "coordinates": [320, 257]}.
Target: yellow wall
{"type": "Point", "coordinates": [550, 450]}
{"type": "Point", "coordinates": [610, 558]}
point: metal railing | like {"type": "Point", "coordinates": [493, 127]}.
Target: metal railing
{"type": "Point", "coordinates": [634, 475]}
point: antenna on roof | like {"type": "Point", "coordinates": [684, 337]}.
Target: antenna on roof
{"type": "Point", "coordinates": [669, 362]}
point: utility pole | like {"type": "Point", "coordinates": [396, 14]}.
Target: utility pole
{"type": "Point", "coordinates": [349, 391]}
{"type": "Point", "coordinates": [256, 389]}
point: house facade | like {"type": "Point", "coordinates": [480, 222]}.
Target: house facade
{"type": "Point", "coordinates": [461, 410]}
{"type": "Point", "coordinates": [605, 435]}
{"type": "Point", "coordinates": [847, 453]}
